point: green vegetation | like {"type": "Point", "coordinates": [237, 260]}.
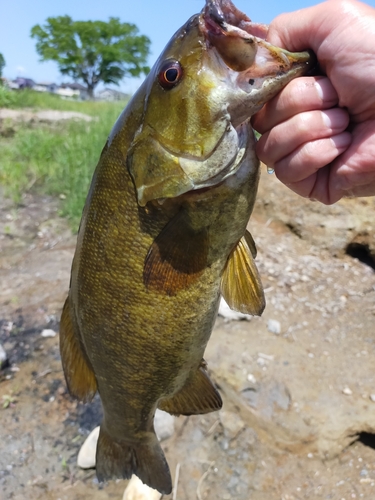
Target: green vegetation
{"type": "Point", "coordinates": [92, 51]}
{"type": "Point", "coordinates": [28, 98]}
{"type": "Point", "coordinates": [2, 64]}
{"type": "Point", "coordinates": [57, 159]}
{"type": "Point", "coordinates": [7, 97]}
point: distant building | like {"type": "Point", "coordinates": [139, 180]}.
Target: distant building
{"type": "Point", "coordinates": [46, 87]}
{"type": "Point", "coordinates": [111, 95]}
{"type": "Point", "coordinates": [66, 92]}
{"type": "Point", "coordinates": [23, 83]}
{"type": "Point", "coordinates": [74, 89]}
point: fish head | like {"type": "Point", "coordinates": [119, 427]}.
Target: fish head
{"type": "Point", "coordinates": [214, 74]}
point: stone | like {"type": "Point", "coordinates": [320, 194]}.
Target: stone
{"type": "Point", "coordinates": [232, 423]}
{"type": "Point", "coordinates": [48, 333]}
{"type": "Point", "coordinates": [87, 454]}
{"type": "Point", "coordinates": [226, 312]}
{"type": "Point", "coordinates": [164, 425]}
{"type": "Point", "coordinates": [136, 490]}
{"type": "Point", "coordinates": [3, 358]}
{"type": "Point", "coordinates": [274, 326]}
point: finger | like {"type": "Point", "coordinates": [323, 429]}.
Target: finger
{"type": "Point", "coordinates": [315, 186]}
{"type": "Point", "coordinates": [310, 157]}
{"type": "Point", "coordinates": [302, 29]}
{"type": "Point", "coordinates": [301, 94]}
{"type": "Point", "coordinates": [302, 128]}
{"type": "Point", "coordinates": [353, 172]}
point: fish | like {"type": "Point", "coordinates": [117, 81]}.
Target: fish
{"type": "Point", "coordinates": [163, 235]}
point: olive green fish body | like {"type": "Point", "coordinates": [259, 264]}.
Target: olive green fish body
{"type": "Point", "coordinates": [163, 234]}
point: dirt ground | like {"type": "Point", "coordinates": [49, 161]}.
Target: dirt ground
{"type": "Point", "coordinates": [298, 384]}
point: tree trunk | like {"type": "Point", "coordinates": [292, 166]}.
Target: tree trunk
{"type": "Point", "coordinates": [90, 91]}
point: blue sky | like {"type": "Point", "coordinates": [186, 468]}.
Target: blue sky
{"type": "Point", "coordinates": [158, 19]}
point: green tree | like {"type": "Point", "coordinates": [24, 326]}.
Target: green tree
{"type": "Point", "coordinates": [2, 64]}
{"type": "Point", "coordinates": [92, 51]}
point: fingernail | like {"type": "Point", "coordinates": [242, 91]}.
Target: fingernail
{"type": "Point", "coordinates": [342, 141]}
{"type": "Point", "coordinates": [335, 119]}
{"type": "Point", "coordinates": [325, 90]}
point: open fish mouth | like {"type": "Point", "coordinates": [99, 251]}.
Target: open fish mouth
{"type": "Point", "coordinates": [242, 44]}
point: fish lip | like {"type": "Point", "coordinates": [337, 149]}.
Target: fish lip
{"type": "Point", "coordinates": [221, 17]}
{"type": "Point", "coordinates": [224, 14]}
{"type": "Point", "coordinates": [223, 25]}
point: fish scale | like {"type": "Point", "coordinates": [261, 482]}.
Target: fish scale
{"type": "Point", "coordinates": [163, 234]}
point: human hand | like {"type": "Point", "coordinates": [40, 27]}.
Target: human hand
{"type": "Point", "coordinates": [318, 133]}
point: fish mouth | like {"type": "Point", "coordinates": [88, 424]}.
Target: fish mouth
{"type": "Point", "coordinates": [242, 44]}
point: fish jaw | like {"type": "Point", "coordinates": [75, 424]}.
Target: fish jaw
{"type": "Point", "coordinates": [257, 70]}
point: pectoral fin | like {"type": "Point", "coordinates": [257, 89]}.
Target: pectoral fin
{"type": "Point", "coordinates": [79, 376]}
{"type": "Point", "coordinates": [177, 257]}
{"type": "Point", "coordinates": [241, 286]}
{"type": "Point", "coordinates": [196, 397]}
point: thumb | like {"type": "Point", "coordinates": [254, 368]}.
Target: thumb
{"type": "Point", "coordinates": [302, 29]}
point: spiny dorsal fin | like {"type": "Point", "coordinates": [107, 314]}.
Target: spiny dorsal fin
{"type": "Point", "coordinates": [241, 286]}
{"type": "Point", "coordinates": [79, 376]}
{"type": "Point", "coordinates": [198, 396]}
{"type": "Point", "coordinates": [177, 257]}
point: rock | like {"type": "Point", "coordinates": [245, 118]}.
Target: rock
{"type": "Point", "coordinates": [226, 312]}
{"type": "Point", "coordinates": [4, 362]}
{"type": "Point", "coordinates": [274, 326]}
{"type": "Point", "coordinates": [164, 425]}
{"type": "Point", "coordinates": [48, 333]}
{"type": "Point", "coordinates": [136, 490]}
{"type": "Point", "coordinates": [232, 423]}
{"type": "Point", "coordinates": [87, 454]}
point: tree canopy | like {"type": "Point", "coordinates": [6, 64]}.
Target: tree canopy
{"type": "Point", "coordinates": [92, 51]}
{"type": "Point", "coordinates": [2, 64]}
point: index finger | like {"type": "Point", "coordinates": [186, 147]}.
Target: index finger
{"type": "Point", "coordinates": [302, 94]}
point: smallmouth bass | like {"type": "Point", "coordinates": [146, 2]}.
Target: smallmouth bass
{"type": "Point", "coordinates": [163, 234]}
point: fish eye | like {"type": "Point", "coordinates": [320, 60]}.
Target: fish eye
{"type": "Point", "coordinates": [170, 74]}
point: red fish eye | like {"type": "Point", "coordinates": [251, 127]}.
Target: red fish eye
{"type": "Point", "coordinates": [170, 74]}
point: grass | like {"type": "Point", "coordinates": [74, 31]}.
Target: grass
{"type": "Point", "coordinates": [30, 99]}
{"type": "Point", "coordinates": [58, 159]}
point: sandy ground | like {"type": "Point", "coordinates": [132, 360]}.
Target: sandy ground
{"type": "Point", "coordinates": [298, 384]}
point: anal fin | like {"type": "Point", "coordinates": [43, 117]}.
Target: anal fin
{"type": "Point", "coordinates": [241, 286]}
{"type": "Point", "coordinates": [198, 396]}
{"type": "Point", "coordinates": [79, 376]}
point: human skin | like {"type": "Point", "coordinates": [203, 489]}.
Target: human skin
{"type": "Point", "coordinates": [318, 134]}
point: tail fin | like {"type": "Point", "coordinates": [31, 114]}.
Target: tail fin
{"type": "Point", "coordinates": [122, 459]}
